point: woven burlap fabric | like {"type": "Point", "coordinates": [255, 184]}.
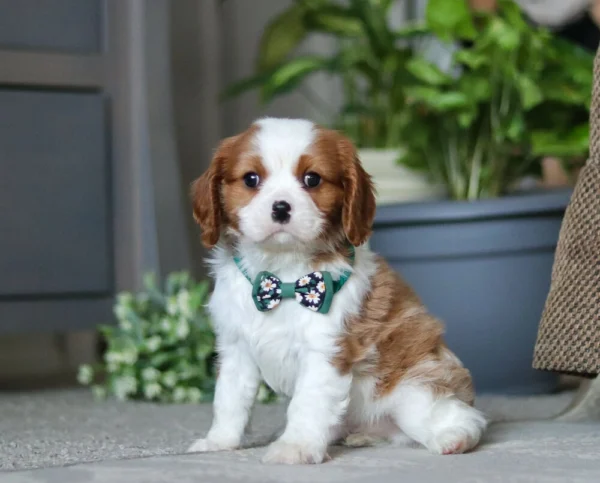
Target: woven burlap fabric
{"type": "Point", "coordinates": [569, 333]}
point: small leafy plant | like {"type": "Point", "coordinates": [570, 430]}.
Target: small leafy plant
{"type": "Point", "coordinates": [163, 347]}
{"type": "Point", "coordinates": [515, 94]}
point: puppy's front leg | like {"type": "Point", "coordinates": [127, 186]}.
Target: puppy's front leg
{"type": "Point", "coordinates": [237, 384]}
{"type": "Point", "coordinates": [319, 402]}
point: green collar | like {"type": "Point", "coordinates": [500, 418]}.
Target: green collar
{"type": "Point", "coordinates": [314, 291]}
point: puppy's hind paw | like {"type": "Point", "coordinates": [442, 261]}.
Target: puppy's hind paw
{"type": "Point", "coordinates": [453, 441]}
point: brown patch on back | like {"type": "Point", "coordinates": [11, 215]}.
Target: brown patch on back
{"type": "Point", "coordinates": [408, 341]}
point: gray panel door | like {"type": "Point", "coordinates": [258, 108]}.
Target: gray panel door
{"type": "Point", "coordinates": [54, 194]}
{"type": "Point", "coordinates": [52, 25]}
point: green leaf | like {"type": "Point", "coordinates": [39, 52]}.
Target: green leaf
{"type": "Point", "coordinates": [411, 30]}
{"type": "Point", "coordinates": [531, 95]}
{"type": "Point", "coordinates": [108, 331]}
{"type": "Point", "coordinates": [358, 59]}
{"type": "Point", "coordinates": [198, 296]}
{"type": "Point", "coordinates": [152, 289]}
{"type": "Point", "coordinates": [172, 284]}
{"type": "Point", "coordinates": [374, 20]}
{"type": "Point", "coordinates": [421, 94]}
{"type": "Point", "coordinates": [573, 144]}
{"type": "Point", "coordinates": [281, 36]}
{"type": "Point", "coordinates": [292, 73]}
{"type": "Point", "coordinates": [568, 78]}
{"type": "Point", "coordinates": [149, 281]}
{"type": "Point", "coordinates": [246, 84]}
{"type": "Point", "coordinates": [466, 118]}
{"type": "Point", "coordinates": [450, 19]}
{"type": "Point", "coordinates": [512, 13]}
{"type": "Point", "coordinates": [564, 52]}
{"type": "Point", "coordinates": [472, 59]}
{"type": "Point", "coordinates": [477, 88]}
{"type": "Point", "coordinates": [159, 359]}
{"type": "Point", "coordinates": [85, 374]}
{"type": "Point", "coordinates": [427, 72]}
{"type": "Point", "coordinates": [334, 19]}
{"type": "Point", "coordinates": [502, 34]}
{"type": "Point", "coordinates": [436, 99]}
{"type": "Point", "coordinates": [516, 128]}
{"type": "Point", "coordinates": [561, 90]}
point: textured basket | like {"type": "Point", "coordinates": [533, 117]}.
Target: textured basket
{"type": "Point", "coordinates": [569, 334]}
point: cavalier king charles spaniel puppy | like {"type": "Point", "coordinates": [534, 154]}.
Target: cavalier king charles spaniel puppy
{"type": "Point", "coordinates": [302, 303]}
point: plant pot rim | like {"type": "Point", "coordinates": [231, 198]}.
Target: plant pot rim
{"type": "Point", "coordinates": [438, 211]}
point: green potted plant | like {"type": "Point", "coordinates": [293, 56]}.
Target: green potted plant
{"type": "Point", "coordinates": [516, 94]}
{"type": "Point", "coordinates": [482, 260]}
{"type": "Point", "coordinates": [371, 65]}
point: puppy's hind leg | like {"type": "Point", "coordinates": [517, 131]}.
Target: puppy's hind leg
{"type": "Point", "coordinates": [443, 424]}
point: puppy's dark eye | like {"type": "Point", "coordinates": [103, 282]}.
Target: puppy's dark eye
{"type": "Point", "coordinates": [312, 180]}
{"type": "Point", "coordinates": [251, 180]}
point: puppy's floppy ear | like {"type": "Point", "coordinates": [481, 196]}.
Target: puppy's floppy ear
{"type": "Point", "coordinates": [206, 195]}
{"type": "Point", "coordinates": [358, 210]}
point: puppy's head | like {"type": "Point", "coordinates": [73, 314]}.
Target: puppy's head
{"type": "Point", "coordinates": [284, 183]}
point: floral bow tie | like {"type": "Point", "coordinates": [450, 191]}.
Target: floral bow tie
{"type": "Point", "coordinates": [314, 291]}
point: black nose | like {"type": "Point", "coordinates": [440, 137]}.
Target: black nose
{"type": "Point", "coordinates": [281, 212]}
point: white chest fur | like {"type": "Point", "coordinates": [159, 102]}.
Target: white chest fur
{"type": "Point", "coordinates": [279, 340]}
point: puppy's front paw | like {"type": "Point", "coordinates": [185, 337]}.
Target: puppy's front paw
{"type": "Point", "coordinates": [281, 452]}
{"type": "Point", "coordinates": [209, 445]}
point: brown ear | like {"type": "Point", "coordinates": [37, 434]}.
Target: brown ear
{"type": "Point", "coordinates": [358, 211]}
{"type": "Point", "coordinates": [206, 195]}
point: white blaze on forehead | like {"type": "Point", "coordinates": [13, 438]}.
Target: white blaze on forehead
{"type": "Point", "coordinates": [281, 142]}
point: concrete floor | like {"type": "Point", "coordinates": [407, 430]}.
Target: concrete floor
{"type": "Point", "coordinates": [66, 436]}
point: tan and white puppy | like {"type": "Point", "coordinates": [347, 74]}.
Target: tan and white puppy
{"type": "Point", "coordinates": [289, 197]}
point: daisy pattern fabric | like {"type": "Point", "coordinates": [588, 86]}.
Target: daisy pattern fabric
{"type": "Point", "coordinates": [313, 291]}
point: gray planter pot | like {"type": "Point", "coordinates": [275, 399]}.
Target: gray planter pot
{"type": "Point", "coordinates": [484, 268]}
